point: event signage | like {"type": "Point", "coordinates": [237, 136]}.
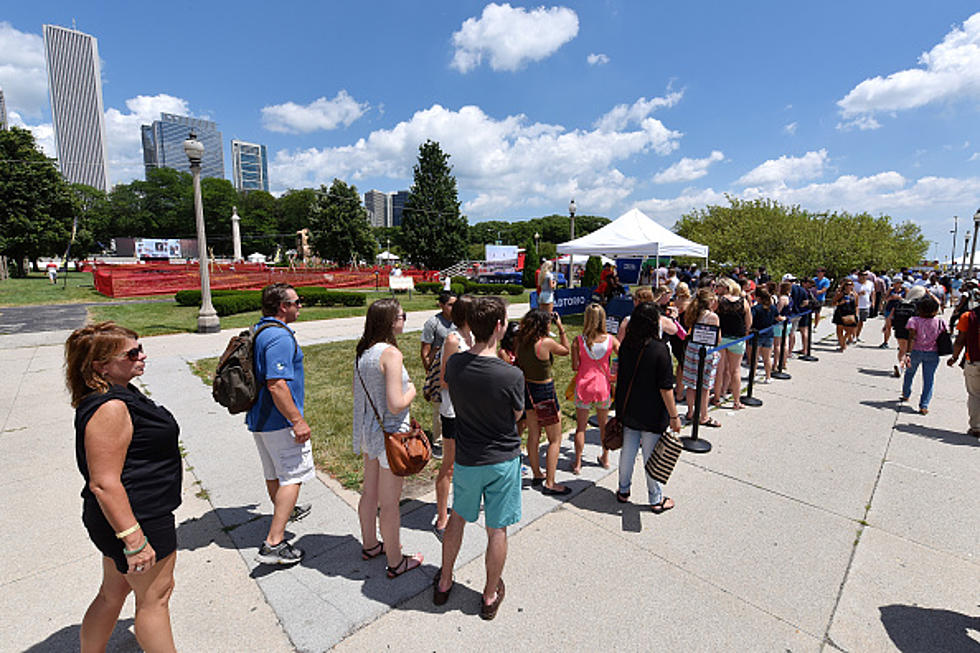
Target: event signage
{"type": "Point", "coordinates": [157, 248]}
{"type": "Point", "coordinates": [628, 269]}
{"type": "Point", "coordinates": [568, 301]}
{"type": "Point", "coordinates": [704, 334]}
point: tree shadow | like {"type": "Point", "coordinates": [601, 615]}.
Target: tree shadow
{"type": "Point", "coordinates": [67, 639]}
{"type": "Point", "coordinates": [913, 628]}
{"type": "Point", "coordinates": [943, 435]}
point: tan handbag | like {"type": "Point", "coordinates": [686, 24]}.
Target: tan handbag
{"type": "Point", "coordinates": [407, 453]}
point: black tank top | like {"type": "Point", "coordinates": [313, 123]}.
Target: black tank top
{"type": "Point", "coordinates": [152, 470]}
{"type": "Point", "coordinates": [731, 315]}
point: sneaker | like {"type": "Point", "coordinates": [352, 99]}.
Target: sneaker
{"type": "Point", "coordinates": [283, 553]}
{"type": "Point", "coordinates": [300, 511]}
{"type": "Point", "coordinates": [883, 345]}
{"type": "Point", "coordinates": [437, 451]}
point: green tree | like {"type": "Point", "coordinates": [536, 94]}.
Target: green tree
{"type": "Point", "coordinates": [219, 197]}
{"type": "Point", "coordinates": [168, 201]}
{"type": "Point", "coordinates": [94, 221]}
{"type": "Point", "coordinates": [257, 209]}
{"type": "Point", "coordinates": [434, 233]}
{"type": "Point", "coordinates": [593, 268]}
{"type": "Point", "coordinates": [294, 210]}
{"type": "Point", "coordinates": [531, 259]}
{"type": "Point", "coordinates": [340, 228]}
{"type": "Point", "coordinates": [36, 204]}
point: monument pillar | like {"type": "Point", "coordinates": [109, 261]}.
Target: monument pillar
{"type": "Point", "coordinates": [236, 234]}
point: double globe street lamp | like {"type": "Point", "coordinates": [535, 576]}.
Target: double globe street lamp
{"type": "Point", "coordinates": [973, 252]}
{"type": "Point", "coordinates": [207, 318]}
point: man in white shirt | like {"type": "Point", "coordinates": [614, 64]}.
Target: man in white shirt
{"type": "Point", "coordinates": [865, 289]}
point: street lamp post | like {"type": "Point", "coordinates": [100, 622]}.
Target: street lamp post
{"type": "Point", "coordinates": [952, 254]}
{"type": "Point", "coordinates": [571, 214]}
{"type": "Point", "coordinates": [966, 243]}
{"type": "Point", "coordinates": [207, 318]}
{"type": "Point", "coordinates": [973, 251]}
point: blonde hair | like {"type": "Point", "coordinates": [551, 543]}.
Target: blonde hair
{"type": "Point", "coordinates": [95, 343]}
{"type": "Point", "coordinates": [545, 269]}
{"type": "Point", "coordinates": [659, 293]}
{"type": "Point", "coordinates": [643, 294]}
{"type": "Point", "coordinates": [682, 290]}
{"type": "Point", "coordinates": [731, 287]}
{"type": "Point", "coordinates": [701, 303]}
{"type": "Point", "coordinates": [593, 324]}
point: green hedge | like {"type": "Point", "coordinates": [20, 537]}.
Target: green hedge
{"type": "Point", "coordinates": [317, 296]}
{"type": "Point", "coordinates": [193, 297]}
{"type": "Point", "coordinates": [237, 303]}
{"type": "Point", "coordinates": [229, 302]}
{"type": "Point", "coordinates": [433, 287]}
{"type": "Point", "coordinates": [469, 286]}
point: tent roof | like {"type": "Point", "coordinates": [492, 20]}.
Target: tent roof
{"type": "Point", "coordinates": [633, 234]}
{"type": "Point", "coordinates": [387, 256]}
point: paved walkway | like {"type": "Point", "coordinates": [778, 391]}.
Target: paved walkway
{"type": "Point", "coordinates": [831, 518]}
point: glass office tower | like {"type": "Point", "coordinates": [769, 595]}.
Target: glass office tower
{"type": "Point", "coordinates": [398, 200]}
{"type": "Point", "coordinates": [163, 144]}
{"type": "Point", "coordinates": [250, 167]}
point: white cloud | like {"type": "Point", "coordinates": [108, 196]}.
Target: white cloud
{"type": "Point", "coordinates": [123, 139]}
{"type": "Point", "coordinates": [503, 163]}
{"type": "Point", "coordinates": [623, 115]}
{"type": "Point", "coordinates": [864, 123]}
{"type": "Point", "coordinates": [790, 128]}
{"type": "Point", "coordinates": [43, 133]}
{"type": "Point", "coordinates": [320, 114]}
{"type": "Point", "coordinates": [687, 169]}
{"type": "Point", "coordinates": [22, 73]}
{"type": "Point", "coordinates": [510, 37]}
{"type": "Point", "coordinates": [597, 59]}
{"type": "Point", "coordinates": [948, 71]}
{"type": "Point", "coordinates": [975, 157]}
{"type": "Point", "coordinates": [786, 169]}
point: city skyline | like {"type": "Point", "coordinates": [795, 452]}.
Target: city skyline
{"type": "Point", "coordinates": [163, 144]}
{"type": "Point", "coordinates": [619, 105]}
{"type": "Point", "coordinates": [250, 166]}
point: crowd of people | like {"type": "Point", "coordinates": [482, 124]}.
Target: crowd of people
{"type": "Point", "coordinates": [495, 379]}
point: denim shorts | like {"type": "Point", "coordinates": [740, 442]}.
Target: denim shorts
{"type": "Point", "coordinates": [497, 485]}
{"type": "Point", "coordinates": [765, 341]}
{"type": "Point", "coordinates": [535, 393]}
{"type": "Point", "coordinates": [735, 349]}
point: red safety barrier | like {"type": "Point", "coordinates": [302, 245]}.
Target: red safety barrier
{"type": "Point", "coordinates": [129, 280]}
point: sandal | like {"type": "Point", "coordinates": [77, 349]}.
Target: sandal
{"type": "Point", "coordinates": [658, 508]}
{"type": "Point", "coordinates": [622, 498]}
{"type": "Point", "coordinates": [605, 465]}
{"type": "Point", "coordinates": [404, 565]}
{"type": "Point", "coordinates": [378, 549]}
{"type": "Point", "coordinates": [711, 422]}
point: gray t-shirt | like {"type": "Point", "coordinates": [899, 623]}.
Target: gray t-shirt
{"type": "Point", "coordinates": [435, 330]}
{"type": "Point", "coordinates": [485, 392]}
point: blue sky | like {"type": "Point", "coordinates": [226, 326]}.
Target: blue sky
{"type": "Point", "coordinates": [663, 106]}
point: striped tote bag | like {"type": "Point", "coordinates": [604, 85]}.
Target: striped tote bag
{"type": "Point", "coordinates": [665, 454]}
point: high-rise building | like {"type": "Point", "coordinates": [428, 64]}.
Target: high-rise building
{"type": "Point", "coordinates": [398, 200]}
{"type": "Point", "coordinates": [3, 111]}
{"type": "Point", "coordinates": [250, 167]}
{"type": "Point", "coordinates": [163, 144]}
{"type": "Point", "coordinates": [75, 88]}
{"type": "Point", "coordinates": [376, 204]}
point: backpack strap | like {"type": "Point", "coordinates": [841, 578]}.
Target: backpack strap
{"type": "Point", "coordinates": [255, 335]}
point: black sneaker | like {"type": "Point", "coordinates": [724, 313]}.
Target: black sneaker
{"type": "Point", "coordinates": [437, 451]}
{"type": "Point", "coordinates": [283, 553]}
{"type": "Point", "coordinates": [300, 511]}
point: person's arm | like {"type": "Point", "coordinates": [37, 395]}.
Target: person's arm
{"type": "Point", "coordinates": [391, 367]}
{"type": "Point", "coordinates": [667, 326]}
{"type": "Point", "coordinates": [575, 354]}
{"type": "Point", "coordinates": [748, 315]}
{"type": "Point", "coordinates": [449, 347]}
{"type": "Point", "coordinates": [556, 348]}
{"type": "Point", "coordinates": [958, 345]}
{"type": "Point", "coordinates": [426, 349]}
{"type": "Point", "coordinates": [107, 438]}
{"type": "Point", "coordinates": [283, 399]}
{"type": "Point", "coordinates": [675, 418]}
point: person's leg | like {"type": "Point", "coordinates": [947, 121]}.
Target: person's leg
{"type": "Point", "coordinates": [553, 432]}
{"type": "Point", "coordinates": [804, 337]}
{"type": "Point", "coordinates": [436, 423]}
{"type": "Point", "coordinates": [720, 385]}
{"type": "Point", "coordinates": [389, 495]}
{"type": "Point", "coordinates": [930, 361]}
{"type": "Point", "coordinates": [704, 405]}
{"type": "Point", "coordinates": [153, 588]}
{"type": "Point", "coordinates": [452, 540]}
{"type": "Point", "coordinates": [283, 504]}
{"type": "Point", "coordinates": [735, 372]}
{"type": "Point", "coordinates": [272, 486]}
{"type": "Point", "coordinates": [495, 559]}
{"type": "Point", "coordinates": [103, 613]}
{"type": "Point", "coordinates": [841, 343]}
{"type": "Point", "coordinates": [602, 416]}
{"type": "Point", "coordinates": [444, 481]}
{"type": "Point", "coordinates": [654, 491]}
{"type": "Point", "coordinates": [367, 506]}
{"type": "Point", "coordinates": [534, 444]}
{"type": "Point", "coordinates": [627, 457]}
{"type": "Point", "coordinates": [971, 376]}
{"type": "Point", "coordinates": [767, 361]}
{"type": "Point", "coordinates": [914, 360]}
{"type": "Point", "coordinates": [581, 423]}
{"type": "Point", "coordinates": [689, 395]}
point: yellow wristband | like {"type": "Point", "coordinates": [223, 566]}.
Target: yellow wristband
{"type": "Point", "coordinates": [129, 531]}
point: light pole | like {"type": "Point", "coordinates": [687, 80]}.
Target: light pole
{"type": "Point", "coordinates": [966, 243]}
{"type": "Point", "coordinates": [973, 251]}
{"type": "Point", "coordinates": [571, 214]}
{"type": "Point", "coordinates": [952, 255]}
{"type": "Point", "coordinates": [537, 246]}
{"type": "Point", "coordinates": [207, 318]}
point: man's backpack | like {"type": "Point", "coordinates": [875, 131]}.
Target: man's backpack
{"type": "Point", "coordinates": [235, 385]}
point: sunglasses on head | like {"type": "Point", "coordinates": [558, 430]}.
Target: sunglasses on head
{"type": "Point", "coordinates": [134, 353]}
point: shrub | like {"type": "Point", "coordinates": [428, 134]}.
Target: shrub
{"type": "Point", "coordinates": [428, 287]}
{"type": "Point", "coordinates": [513, 289]}
{"type": "Point", "coordinates": [237, 303]}
{"type": "Point", "coordinates": [458, 288]}
{"type": "Point", "coordinates": [193, 297]}
{"type": "Point", "coordinates": [593, 268]}
{"type": "Point", "coordinates": [241, 301]}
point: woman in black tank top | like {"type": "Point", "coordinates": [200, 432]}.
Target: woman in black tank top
{"type": "Point", "coordinates": [735, 318]}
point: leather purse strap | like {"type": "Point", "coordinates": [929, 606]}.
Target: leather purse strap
{"type": "Point", "coordinates": [370, 401]}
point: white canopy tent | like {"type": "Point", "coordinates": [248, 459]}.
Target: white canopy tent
{"type": "Point", "coordinates": [579, 259]}
{"type": "Point", "coordinates": [633, 234]}
{"type": "Point", "coordinates": [387, 256]}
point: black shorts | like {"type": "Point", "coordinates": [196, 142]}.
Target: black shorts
{"type": "Point", "coordinates": [805, 320]}
{"type": "Point", "coordinates": [448, 427]}
{"type": "Point", "coordinates": [160, 531]}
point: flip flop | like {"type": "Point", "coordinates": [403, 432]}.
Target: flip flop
{"type": "Point", "coordinates": [662, 507]}
{"type": "Point", "coordinates": [712, 423]}
{"type": "Point", "coordinates": [378, 549]}
{"type": "Point", "coordinates": [598, 459]}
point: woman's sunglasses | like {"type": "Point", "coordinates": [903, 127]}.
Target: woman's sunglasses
{"type": "Point", "coordinates": [133, 354]}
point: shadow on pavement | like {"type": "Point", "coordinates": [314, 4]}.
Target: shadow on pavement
{"type": "Point", "coordinates": [912, 628]}
{"type": "Point", "coordinates": [949, 437]}
{"type": "Point", "coordinates": [603, 500]}
{"type": "Point", "coordinates": [886, 404]}
{"type": "Point", "coordinates": [873, 372]}
{"type": "Point", "coordinates": [66, 639]}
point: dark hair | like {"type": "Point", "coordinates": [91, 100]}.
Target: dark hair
{"type": "Point", "coordinates": [483, 316]}
{"type": "Point", "coordinates": [379, 325]}
{"type": "Point", "coordinates": [927, 306]}
{"type": "Point", "coordinates": [765, 299]}
{"type": "Point", "coordinates": [273, 296]}
{"type": "Point", "coordinates": [644, 326]}
{"type": "Point", "coordinates": [87, 345]}
{"type": "Point", "coordinates": [534, 325]}
{"type": "Point", "coordinates": [461, 309]}
{"type": "Point", "coordinates": [507, 341]}
{"type": "Point", "coordinates": [445, 296]}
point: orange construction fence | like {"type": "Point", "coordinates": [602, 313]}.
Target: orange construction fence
{"type": "Point", "coordinates": [129, 280]}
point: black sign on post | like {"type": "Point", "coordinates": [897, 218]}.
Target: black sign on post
{"type": "Point", "coordinates": [705, 334]}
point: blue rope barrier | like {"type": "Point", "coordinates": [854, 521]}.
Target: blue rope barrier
{"type": "Point", "coordinates": [754, 334]}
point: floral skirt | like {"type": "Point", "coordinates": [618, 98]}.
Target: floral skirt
{"type": "Point", "coordinates": [691, 368]}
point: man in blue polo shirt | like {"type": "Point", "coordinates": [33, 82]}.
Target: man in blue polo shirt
{"type": "Point", "coordinates": [276, 421]}
{"type": "Point", "coordinates": [821, 284]}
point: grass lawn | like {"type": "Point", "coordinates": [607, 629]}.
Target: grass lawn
{"type": "Point", "coordinates": [35, 289]}
{"type": "Point", "coordinates": [329, 396]}
{"type": "Point", "coordinates": [160, 318]}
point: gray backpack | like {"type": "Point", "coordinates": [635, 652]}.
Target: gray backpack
{"type": "Point", "coordinates": [235, 385]}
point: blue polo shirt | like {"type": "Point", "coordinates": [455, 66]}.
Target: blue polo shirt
{"type": "Point", "coordinates": [821, 287]}
{"type": "Point", "coordinates": [277, 356]}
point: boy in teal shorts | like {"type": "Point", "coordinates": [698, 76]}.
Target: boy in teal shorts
{"type": "Point", "coordinates": [488, 397]}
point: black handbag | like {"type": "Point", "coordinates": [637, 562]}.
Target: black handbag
{"type": "Point", "coordinates": [944, 342]}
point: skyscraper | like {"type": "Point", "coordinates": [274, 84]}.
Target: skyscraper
{"type": "Point", "coordinates": [3, 111]}
{"type": "Point", "coordinates": [376, 204]}
{"type": "Point", "coordinates": [250, 167]}
{"type": "Point", "coordinates": [398, 200]}
{"type": "Point", "coordinates": [163, 144]}
{"type": "Point", "coordinates": [75, 88]}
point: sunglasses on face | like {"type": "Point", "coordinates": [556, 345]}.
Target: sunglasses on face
{"type": "Point", "coordinates": [402, 316]}
{"type": "Point", "coordinates": [133, 354]}
{"type": "Point", "coordinates": [293, 301]}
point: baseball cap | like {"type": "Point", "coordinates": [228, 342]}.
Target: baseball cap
{"type": "Point", "coordinates": [789, 277]}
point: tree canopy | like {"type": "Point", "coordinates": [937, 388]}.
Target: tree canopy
{"type": "Point", "coordinates": [433, 232]}
{"type": "Point", "coordinates": [790, 239]}
{"type": "Point", "coordinates": [340, 230]}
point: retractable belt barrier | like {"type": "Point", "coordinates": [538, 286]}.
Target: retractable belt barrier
{"type": "Point", "coordinates": [696, 444]}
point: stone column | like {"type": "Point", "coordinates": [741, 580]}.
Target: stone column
{"type": "Point", "coordinates": [236, 234]}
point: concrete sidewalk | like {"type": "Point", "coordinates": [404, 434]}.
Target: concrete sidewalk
{"type": "Point", "coordinates": [830, 518]}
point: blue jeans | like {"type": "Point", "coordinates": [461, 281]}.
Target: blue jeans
{"type": "Point", "coordinates": [929, 361]}
{"type": "Point", "coordinates": [632, 440]}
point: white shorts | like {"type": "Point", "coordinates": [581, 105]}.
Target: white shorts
{"type": "Point", "coordinates": [282, 458]}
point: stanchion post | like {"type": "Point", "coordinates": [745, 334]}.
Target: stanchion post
{"type": "Point", "coordinates": [779, 373]}
{"type": "Point", "coordinates": [809, 342]}
{"type": "Point", "coordinates": [694, 443]}
{"type": "Point", "coordinates": [748, 399]}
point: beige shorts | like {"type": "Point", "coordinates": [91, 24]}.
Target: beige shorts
{"type": "Point", "coordinates": [282, 458]}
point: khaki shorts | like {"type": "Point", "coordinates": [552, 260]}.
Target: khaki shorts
{"type": "Point", "coordinates": [282, 458]}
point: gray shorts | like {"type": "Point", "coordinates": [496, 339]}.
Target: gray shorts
{"type": "Point", "coordinates": [282, 458]}
{"type": "Point", "coordinates": [863, 314]}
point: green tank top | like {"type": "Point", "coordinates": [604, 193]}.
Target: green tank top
{"type": "Point", "coordinates": [533, 367]}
